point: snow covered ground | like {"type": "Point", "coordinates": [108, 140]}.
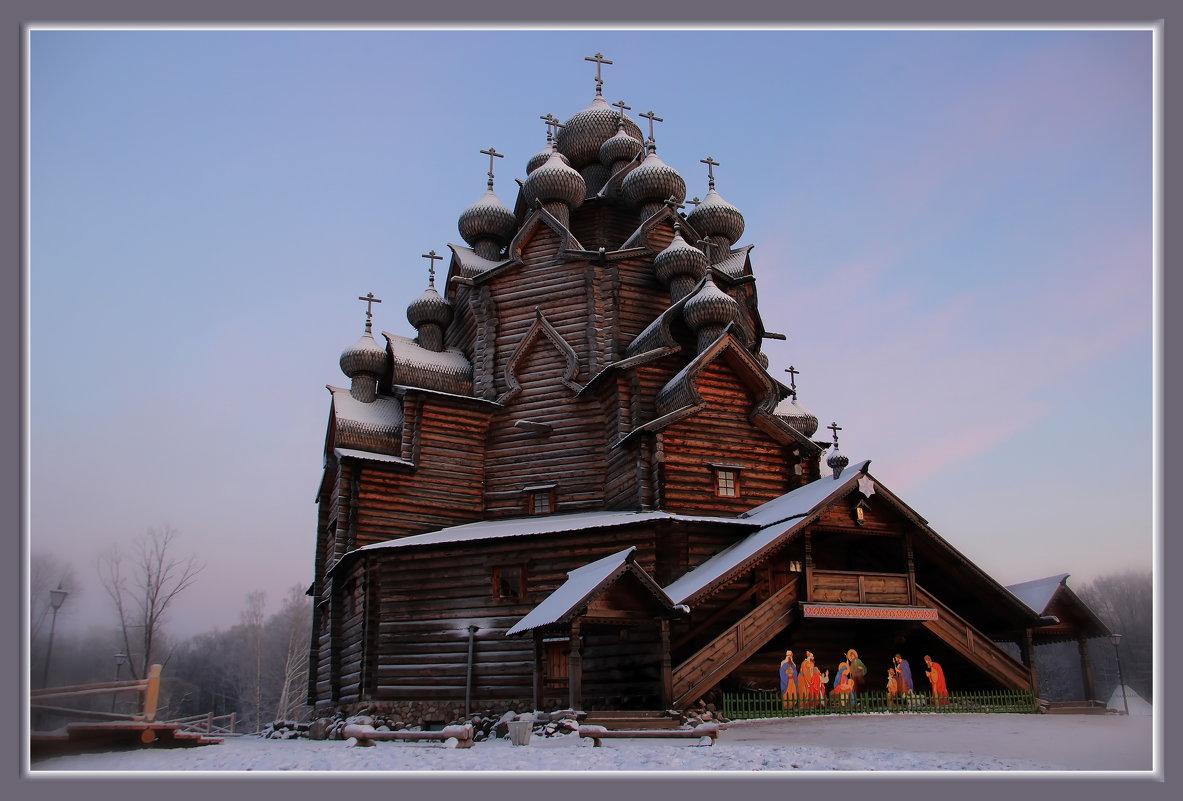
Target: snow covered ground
{"type": "Point", "coordinates": [847, 743]}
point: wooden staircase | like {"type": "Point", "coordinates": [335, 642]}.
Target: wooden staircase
{"type": "Point", "coordinates": [973, 645]}
{"type": "Point", "coordinates": [729, 650]}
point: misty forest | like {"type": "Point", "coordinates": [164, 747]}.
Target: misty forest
{"type": "Point", "coordinates": [257, 669]}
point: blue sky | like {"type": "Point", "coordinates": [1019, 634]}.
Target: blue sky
{"type": "Point", "coordinates": [953, 228]}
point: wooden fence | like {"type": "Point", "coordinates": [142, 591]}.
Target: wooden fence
{"type": "Point", "coordinates": [149, 686]}
{"type": "Point", "coordinates": [208, 723]}
{"type": "Point", "coordinates": [745, 706]}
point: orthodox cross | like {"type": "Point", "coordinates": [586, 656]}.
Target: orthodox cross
{"type": "Point", "coordinates": [652, 119]}
{"type": "Point", "coordinates": [431, 255]}
{"type": "Point", "coordinates": [694, 201]}
{"type": "Point", "coordinates": [370, 301]}
{"type": "Point", "coordinates": [793, 373]}
{"type": "Point", "coordinates": [551, 124]}
{"type": "Point", "coordinates": [835, 428]}
{"type": "Point", "coordinates": [711, 164]}
{"type": "Point", "coordinates": [600, 61]}
{"type": "Point", "coordinates": [623, 108]}
{"type": "Point", "coordinates": [491, 153]}
{"type": "Point", "coordinates": [708, 247]}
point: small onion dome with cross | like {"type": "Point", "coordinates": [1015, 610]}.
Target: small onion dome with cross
{"type": "Point", "coordinates": [364, 356]}
{"type": "Point", "coordinates": [837, 460]}
{"type": "Point", "coordinates": [581, 136]}
{"type": "Point", "coordinates": [540, 158]}
{"type": "Point", "coordinates": [622, 146]}
{"type": "Point", "coordinates": [429, 308]}
{"type": "Point", "coordinates": [680, 265]}
{"type": "Point", "coordinates": [488, 218]}
{"type": "Point", "coordinates": [555, 181]}
{"type": "Point", "coordinates": [792, 412]}
{"type": "Point", "coordinates": [714, 216]}
{"type": "Point", "coordinates": [653, 182]}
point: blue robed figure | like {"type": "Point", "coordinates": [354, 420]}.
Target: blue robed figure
{"type": "Point", "coordinates": [905, 670]}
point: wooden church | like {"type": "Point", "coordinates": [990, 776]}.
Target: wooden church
{"type": "Point", "coordinates": [581, 486]}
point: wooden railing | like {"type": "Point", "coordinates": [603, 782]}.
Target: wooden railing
{"type": "Point", "coordinates": [149, 686]}
{"type": "Point", "coordinates": [712, 663]}
{"type": "Point", "coordinates": [858, 587]}
{"type": "Point", "coordinates": [207, 723]}
{"type": "Point", "coordinates": [974, 645]}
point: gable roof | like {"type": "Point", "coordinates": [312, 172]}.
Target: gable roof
{"type": "Point", "coordinates": [373, 427]}
{"type": "Point", "coordinates": [1038, 593]}
{"type": "Point", "coordinates": [1066, 615]}
{"type": "Point", "coordinates": [778, 518]}
{"type": "Point", "coordinates": [581, 587]}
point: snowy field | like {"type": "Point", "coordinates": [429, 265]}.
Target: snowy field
{"type": "Point", "coordinates": [847, 743]}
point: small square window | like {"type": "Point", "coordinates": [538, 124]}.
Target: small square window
{"type": "Point", "coordinates": [509, 583]}
{"type": "Point", "coordinates": [726, 483]}
{"type": "Point", "coordinates": [540, 502]}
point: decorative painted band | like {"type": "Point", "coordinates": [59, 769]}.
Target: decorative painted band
{"type": "Point", "coordinates": [868, 612]}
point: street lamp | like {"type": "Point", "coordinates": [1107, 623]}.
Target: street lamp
{"type": "Point", "coordinates": [120, 658]}
{"type": "Point", "coordinates": [56, 599]}
{"type": "Point", "coordinates": [1116, 638]}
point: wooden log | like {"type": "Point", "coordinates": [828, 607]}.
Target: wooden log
{"type": "Point", "coordinates": [709, 731]}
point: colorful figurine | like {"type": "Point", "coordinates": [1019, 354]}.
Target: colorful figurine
{"type": "Point", "coordinates": [936, 677]}
{"type": "Point", "coordinates": [788, 680]}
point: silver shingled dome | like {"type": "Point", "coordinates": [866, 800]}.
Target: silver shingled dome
{"type": "Point", "coordinates": [714, 216]}
{"type": "Point", "coordinates": [792, 412]}
{"type": "Point", "coordinates": [430, 307]}
{"type": "Point", "coordinates": [581, 136]}
{"type": "Point", "coordinates": [364, 356]}
{"type": "Point", "coordinates": [553, 181]}
{"type": "Point", "coordinates": [487, 218]}
{"type": "Point", "coordinates": [680, 258]}
{"type": "Point", "coordinates": [653, 181]}
{"type": "Point", "coordinates": [710, 306]}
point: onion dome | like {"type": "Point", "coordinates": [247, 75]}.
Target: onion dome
{"type": "Point", "coordinates": [488, 218]}
{"type": "Point", "coordinates": [679, 259]}
{"type": "Point", "coordinates": [429, 308]}
{"type": "Point", "coordinates": [710, 307]}
{"type": "Point", "coordinates": [792, 412]}
{"type": "Point", "coordinates": [837, 461]}
{"type": "Point", "coordinates": [715, 217]}
{"type": "Point", "coordinates": [581, 136]}
{"type": "Point", "coordinates": [364, 357]}
{"type": "Point", "coordinates": [653, 181]}
{"type": "Point", "coordinates": [621, 147]}
{"type": "Point", "coordinates": [555, 181]}
{"type": "Point", "coordinates": [539, 158]}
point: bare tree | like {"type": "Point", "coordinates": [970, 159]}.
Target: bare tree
{"type": "Point", "coordinates": [142, 590]}
{"type": "Point", "coordinates": [291, 629]}
{"type": "Point", "coordinates": [1125, 601]}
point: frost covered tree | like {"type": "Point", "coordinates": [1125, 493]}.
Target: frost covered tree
{"type": "Point", "coordinates": [142, 584]}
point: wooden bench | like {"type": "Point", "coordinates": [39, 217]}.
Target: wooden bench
{"type": "Point", "coordinates": [366, 735]}
{"type": "Point", "coordinates": [599, 733]}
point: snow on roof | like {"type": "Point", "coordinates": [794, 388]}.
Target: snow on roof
{"type": "Point", "coordinates": [733, 263]}
{"type": "Point", "coordinates": [469, 262]}
{"type": "Point", "coordinates": [381, 413]}
{"type": "Point", "coordinates": [373, 457]}
{"type": "Point", "coordinates": [803, 500]}
{"type": "Point", "coordinates": [541, 524]}
{"type": "Point", "coordinates": [407, 351]}
{"type": "Point", "coordinates": [797, 504]}
{"type": "Point", "coordinates": [1038, 593]}
{"type": "Point", "coordinates": [580, 584]}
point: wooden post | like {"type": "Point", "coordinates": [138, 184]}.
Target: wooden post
{"type": "Point", "coordinates": [808, 566]}
{"type": "Point", "coordinates": [575, 669]}
{"type": "Point", "coordinates": [667, 667]}
{"type": "Point", "coordinates": [1086, 668]}
{"type": "Point", "coordinates": [539, 649]}
{"type": "Point", "coordinates": [1027, 648]}
{"type": "Point", "coordinates": [152, 693]}
{"type": "Point", "coordinates": [911, 568]}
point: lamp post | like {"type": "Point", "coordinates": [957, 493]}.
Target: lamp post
{"type": "Point", "coordinates": [56, 599]}
{"type": "Point", "coordinates": [1116, 638]}
{"type": "Point", "coordinates": [120, 658]}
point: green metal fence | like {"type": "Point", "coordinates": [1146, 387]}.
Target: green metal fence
{"type": "Point", "coordinates": [743, 706]}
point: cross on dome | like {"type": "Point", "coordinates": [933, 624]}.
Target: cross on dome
{"type": "Point", "coordinates": [711, 164]}
{"type": "Point", "coordinates": [649, 115]}
{"type": "Point", "coordinates": [432, 255]}
{"type": "Point", "coordinates": [793, 373]}
{"type": "Point", "coordinates": [694, 201]}
{"type": "Point", "coordinates": [623, 108]}
{"type": "Point", "coordinates": [370, 301]}
{"type": "Point", "coordinates": [835, 428]}
{"type": "Point", "coordinates": [599, 59]}
{"type": "Point", "coordinates": [491, 153]}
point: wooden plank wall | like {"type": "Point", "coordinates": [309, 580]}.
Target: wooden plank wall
{"type": "Point", "coordinates": [428, 599]}
{"type": "Point", "coordinates": [722, 433]}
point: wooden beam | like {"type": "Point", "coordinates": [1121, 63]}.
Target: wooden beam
{"type": "Point", "coordinates": [575, 669]}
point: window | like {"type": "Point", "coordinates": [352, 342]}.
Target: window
{"type": "Point", "coordinates": [509, 583]}
{"type": "Point", "coordinates": [726, 480]}
{"type": "Point", "coordinates": [540, 499]}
